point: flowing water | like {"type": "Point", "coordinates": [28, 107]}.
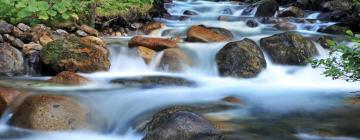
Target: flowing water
{"type": "Point", "coordinates": [283, 102]}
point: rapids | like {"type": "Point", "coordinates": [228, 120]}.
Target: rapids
{"type": "Point", "coordinates": [278, 90]}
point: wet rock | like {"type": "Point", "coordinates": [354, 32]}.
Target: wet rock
{"type": "Point", "coordinates": [89, 30]}
{"type": "Point", "coordinates": [87, 54]}
{"type": "Point", "coordinates": [69, 78]}
{"type": "Point", "coordinates": [232, 99]}
{"type": "Point", "coordinates": [148, 28]}
{"type": "Point", "coordinates": [5, 28]}
{"type": "Point", "coordinates": [323, 41]}
{"type": "Point", "coordinates": [248, 10]}
{"type": "Point", "coordinates": [242, 59]}
{"type": "Point", "coordinates": [153, 81]}
{"type": "Point", "coordinates": [11, 60]}
{"type": "Point", "coordinates": [332, 16]}
{"type": "Point", "coordinates": [146, 53]}
{"type": "Point", "coordinates": [341, 5]}
{"type": "Point", "coordinates": [1, 39]}
{"type": "Point", "coordinates": [252, 23]}
{"type": "Point", "coordinates": [156, 44]}
{"type": "Point", "coordinates": [81, 33]}
{"type": "Point", "coordinates": [8, 38]}
{"type": "Point", "coordinates": [292, 11]}
{"type": "Point", "coordinates": [267, 8]}
{"type": "Point", "coordinates": [158, 9]}
{"type": "Point", "coordinates": [9, 95]}
{"type": "Point", "coordinates": [17, 32]}
{"type": "Point", "coordinates": [288, 48]}
{"type": "Point", "coordinates": [199, 33]}
{"type": "Point", "coordinates": [353, 101]}
{"type": "Point", "coordinates": [174, 60]}
{"type": "Point", "coordinates": [180, 125]}
{"type": "Point", "coordinates": [23, 27]}
{"type": "Point", "coordinates": [39, 34]}
{"type": "Point", "coordinates": [189, 12]}
{"type": "Point", "coordinates": [61, 32]}
{"type": "Point", "coordinates": [49, 113]}
{"type": "Point", "coordinates": [17, 43]}
{"type": "Point", "coordinates": [3, 106]}
{"type": "Point", "coordinates": [31, 48]}
{"type": "Point", "coordinates": [334, 29]}
{"type": "Point", "coordinates": [285, 26]}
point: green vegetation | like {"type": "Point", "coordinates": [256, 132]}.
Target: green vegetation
{"type": "Point", "coordinates": [343, 61]}
{"type": "Point", "coordinates": [45, 11]}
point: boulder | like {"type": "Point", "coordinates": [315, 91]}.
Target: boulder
{"type": "Point", "coordinates": [23, 27]}
{"type": "Point", "coordinates": [8, 38]}
{"type": "Point", "coordinates": [288, 48]}
{"type": "Point", "coordinates": [267, 8]}
{"type": "Point", "coordinates": [81, 33]}
{"type": "Point", "coordinates": [89, 30]}
{"type": "Point", "coordinates": [153, 81]}
{"type": "Point", "coordinates": [323, 42]}
{"type": "Point", "coordinates": [39, 34]}
{"type": "Point", "coordinates": [180, 125]}
{"type": "Point", "coordinates": [11, 60]}
{"type": "Point", "coordinates": [199, 33]}
{"type": "Point", "coordinates": [285, 26]}
{"type": "Point", "coordinates": [3, 106]}
{"type": "Point", "coordinates": [17, 43]}
{"type": "Point", "coordinates": [243, 59]}
{"type": "Point", "coordinates": [334, 29]}
{"type": "Point", "coordinates": [157, 44]}
{"type": "Point", "coordinates": [252, 23]}
{"type": "Point", "coordinates": [150, 27]}
{"type": "Point", "coordinates": [31, 48]}
{"type": "Point", "coordinates": [17, 32]}
{"type": "Point", "coordinates": [87, 54]}
{"type": "Point", "coordinates": [232, 99]}
{"type": "Point", "coordinates": [1, 39]}
{"type": "Point", "coordinates": [49, 113]}
{"type": "Point", "coordinates": [146, 53]}
{"type": "Point", "coordinates": [190, 13]}
{"type": "Point", "coordinates": [292, 11]}
{"type": "Point", "coordinates": [69, 78]}
{"type": "Point", "coordinates": [341, 5]}
{"type": "Point", "coordinates": [5, 28]}
{"type": "Point", "coordinates": [174, 59]}
{"type": "Point", "coordinates": [10, 94]}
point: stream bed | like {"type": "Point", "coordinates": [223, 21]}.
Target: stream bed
{"type": "Point", "coordinates": [282, 102]}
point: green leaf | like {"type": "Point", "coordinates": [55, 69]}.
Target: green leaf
{"type": "Point", "coordinates": [51, 13]}
{"type": "Point", "coordinates": [42, 5]}
{"type": "Point", "coordinates": [43, 15]}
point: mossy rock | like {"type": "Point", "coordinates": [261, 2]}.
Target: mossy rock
{"type": "Point", "coordinates": [71, 54]}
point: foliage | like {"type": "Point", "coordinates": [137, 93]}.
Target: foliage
{"type": "Point", "coordinates": [343, 61]}
{"type": "Point", "coordinates": [40, 11]}
{"type": "Point", "coordinates": [36, 11]}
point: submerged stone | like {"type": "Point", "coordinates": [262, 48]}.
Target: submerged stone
{"type": "Point", "coordinates": [153, 81]}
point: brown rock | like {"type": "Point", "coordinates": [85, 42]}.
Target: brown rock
{"type": "Point", "coordinates": [292, 11]}
{"type": "Point", "coordinates": [148, 28]}
{"type": "Point", "coordinates": [40, 34]}
{"type": "Point", "coordinates": [146, 53]}
{"type": "Point", "coordinates": [174, 59]}
{"type": "Point", "coordinates": [3, 106]}
{"type": "Point", "coordinates": [7, 97]}
{"type": "Point", "coordinates": [156, 44]}
{"type": "Point", "coordinates": [87, 54]}
{"type": "Point", "coordinates": [92, 41]}
{"type": "Point", "coordinates": [89, 30]}
{"type": "Point", "coordinates": [49, 113]}
{"type": "Point", "coordinates": [17, 32]}
{"type": "Point", "coordinates": [69, 78]}
{"type": "Point", "coordinates": [31, 48]}
{"type": "Point", "coordinates": [11, 60]}
{"type": "Point", "coordinates": [232, 99]}
{"type": "Point", "coordinates": [202, 34]}
{"type": "Point", "coordinates": [8, 38]}
{"type": "Point", "coordinates": [285, 26]}
{"type": "Point", "coordinates": [353, 101]}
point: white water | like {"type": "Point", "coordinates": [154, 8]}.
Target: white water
{"type": "Point", "coordinates": [278, 89]}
